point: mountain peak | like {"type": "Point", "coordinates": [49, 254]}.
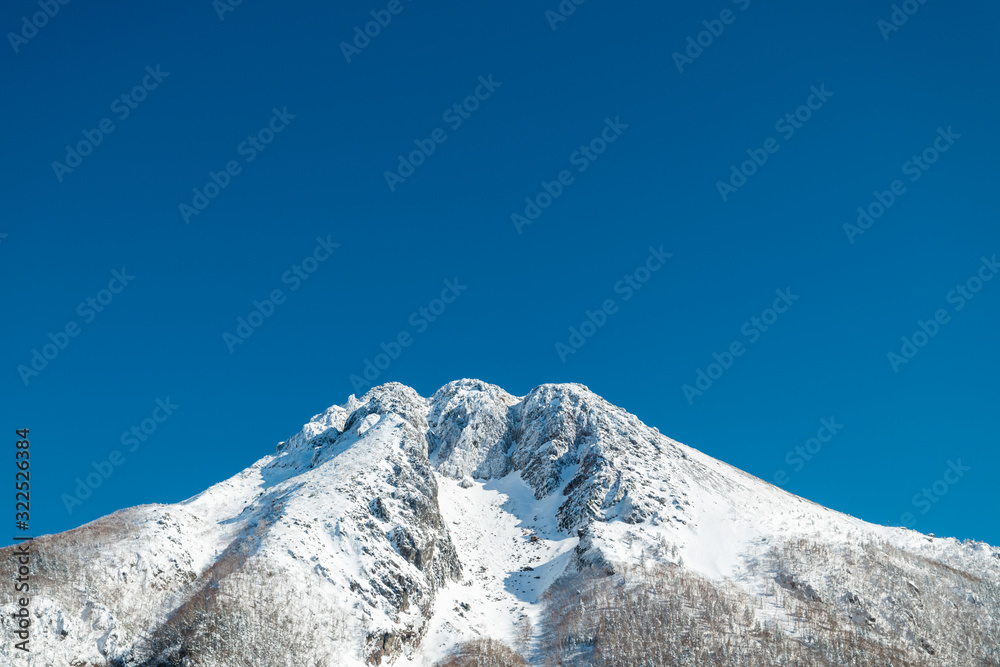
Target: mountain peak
{"type": "Point", "coordinates": [402, 526]}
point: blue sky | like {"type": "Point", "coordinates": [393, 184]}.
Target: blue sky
{"type": "Point", "coordinates": [602, 169]}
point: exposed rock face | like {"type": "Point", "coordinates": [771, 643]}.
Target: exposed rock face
{"type": "Point", "coordinates": [565, 433]}
{"type": "Point", "coordinates": [556, 434]}
{"type": "Point", "coordinates": [470, 429]}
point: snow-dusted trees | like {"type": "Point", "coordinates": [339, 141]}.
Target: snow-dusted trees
{"type": "Point", "coordinates": [243, 617]}
{"type": "Point", "coordinates": [484, 653]}
{"type": "Point", "coordinates": [524, 631]}
{"type": "Point", "coordinates": [667, 616]}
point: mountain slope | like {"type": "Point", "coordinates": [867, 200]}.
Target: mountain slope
{"type": "Point", "coordinates": [394, 527]}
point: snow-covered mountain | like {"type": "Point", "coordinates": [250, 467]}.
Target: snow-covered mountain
{"type": "Point", "coordinates": [395, 528]}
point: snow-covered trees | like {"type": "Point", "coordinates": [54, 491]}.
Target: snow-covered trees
{"type": "Point", "coordinates": [484, 653]}
{"type": "Point", "coordinates": [241, 618]}
{"type": "Point", "coordinates": [667, 616]}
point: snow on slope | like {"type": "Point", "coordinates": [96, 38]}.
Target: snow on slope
{"type": "Point", "coordinates": [506, 571]}
{"type": "Point", "coordinates": [433, 521]}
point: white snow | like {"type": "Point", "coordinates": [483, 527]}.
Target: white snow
{"type": "Point", "coordinates": [491, 525]}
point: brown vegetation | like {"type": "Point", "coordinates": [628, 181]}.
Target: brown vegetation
{"type": "Point", "coordinates": [484, 653]}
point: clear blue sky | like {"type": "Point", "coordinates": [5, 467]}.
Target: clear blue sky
{"type": "Point", "coordinates": [632, 142]}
